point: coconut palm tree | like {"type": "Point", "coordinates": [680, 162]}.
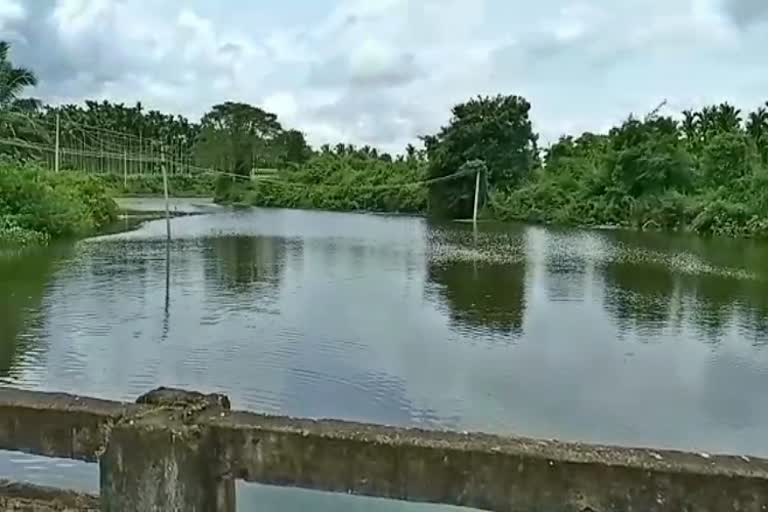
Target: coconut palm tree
{"type": "Point", "coordinates": [727, 118]}
{"type": "Point", "coordinates": [757, 129]}
{"type": "Point", "coordinates": [13, 80]}
{"type": "Point", "coordinates": [690, 126]}
{"type": "Point", "coordinates": [18, 116]}
{"type": "Point", "coordinates": [706, 119]}
{"type": "Point", "coordinates": [757, 124]}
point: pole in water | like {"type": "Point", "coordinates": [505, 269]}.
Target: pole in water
{"type": "Point", "coordinates": [167, 247]}
{"type": "Point", "coordinates": [166, 309]}
{"type": "Point", "coordinates": [165, 191]}
{"type": "Point", "coordinates": [58, 146]}
{"type": "Point", "coordinates": [477, 197]}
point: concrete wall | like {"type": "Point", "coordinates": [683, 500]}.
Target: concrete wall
{"type": "Point", "coordinates": [186, 450]}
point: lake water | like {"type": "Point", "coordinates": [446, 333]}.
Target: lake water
{"type": "Point", "coordinates": [607, 337]}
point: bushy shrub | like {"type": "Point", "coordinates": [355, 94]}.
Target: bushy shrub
{"type": "Point", "coordinates": [52, 205]}
{"type": "Point", "coordinates": [331, 182]}
{"type": "Point", "coordinates": [14, 235]}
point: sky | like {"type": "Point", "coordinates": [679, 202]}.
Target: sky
{"type": "Point", "coordinates": [383, 72]}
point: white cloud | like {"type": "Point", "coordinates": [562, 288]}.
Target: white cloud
{"type": "Point", "coordinates": [382, 72]}
{"type": "Point", "coordinates": [283, 104]}
{"type": "Point", "coordinates": [375, 61]}
{"type": "Point", "coordinates": [73, 17]}
{"type": "Point", "coordinates": [10, 11]}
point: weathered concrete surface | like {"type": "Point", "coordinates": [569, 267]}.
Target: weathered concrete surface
{"type": "Point", "coordinates": [16, 497]}
{"type": "Point", "coordinates": [185, 450]}
{"type": "Point", "coordinates": [56, 424]}
{"type": "Point", "coordinates": [158, 459]}
{"type": "Point", "coordinates": [483, 471]}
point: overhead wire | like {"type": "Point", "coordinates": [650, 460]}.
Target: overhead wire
{"type": "Point", "coordinates": [112, 152]}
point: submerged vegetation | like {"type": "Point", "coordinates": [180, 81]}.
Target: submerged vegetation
{"type": "Point", "coordinates": [703, 171]}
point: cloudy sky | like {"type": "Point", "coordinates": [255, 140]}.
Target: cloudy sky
{"type": "Point", "coordinates": [383, 72]}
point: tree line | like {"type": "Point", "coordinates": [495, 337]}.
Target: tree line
{"type": "Point", "coordinates": [704, 170]}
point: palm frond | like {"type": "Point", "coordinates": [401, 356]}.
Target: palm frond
{"type": "Point", "coordinates": [29, 105]}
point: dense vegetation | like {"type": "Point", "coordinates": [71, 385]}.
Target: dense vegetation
{"type": "Point", "coordinates": [703, 171]}
{"type": "Point", "coordinates": [352, 179]}
{"type": "Point", "coordinates": [496, 132]}
{"type": "Point", "coordinates": [37, 205]}
{"type": "Point", "coordinates": [706, 173]}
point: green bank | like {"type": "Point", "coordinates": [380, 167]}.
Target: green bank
{"type": "Point", "coordinates": [37, 206]}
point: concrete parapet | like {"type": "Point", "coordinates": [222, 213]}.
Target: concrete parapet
{"type": "Point", "coordinates": [181, 451]}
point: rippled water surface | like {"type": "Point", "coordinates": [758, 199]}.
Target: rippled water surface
{"type": "Point", "coordinates": [607, 337]}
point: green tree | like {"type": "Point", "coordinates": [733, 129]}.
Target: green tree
{"type": "Point", "coordinates": [97, 127]}
{"type": "Point", "coordinates": [238, 137]}
{"type": "Point", "coordinates": [690, 128]}
{"type": "Point", "coordinates": [727, 118]}
{"type": "Point", "coordinates": [410, 152]}
{"type": "Point", "coordinates": [294, 147]}
{"type": "Point", "coordinates": [496, 130]}
{"type": "Point", "coordinates": [727, 157]}
{"type": "Point", "coordinates": [757, 128]}
{"type": "Point", "coordinates": [13, 79]}
{"type": "Point", "coordinates": [17, 119]}
{"type": "Point", "coordinates": [647, 157]}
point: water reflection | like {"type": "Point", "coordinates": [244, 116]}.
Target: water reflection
{"type": "Point", "coordinates": [247, 263]}
{"type": "Point", "coordinates": [479, 278]}
{"type": "Point", "coordinates": [660, 282]}
{"type": "Point", "coordinates": [606, 337]}
{"type": "Point", "coordinates": [22, 291]}
{"type": "Point", "coordinates": [249, 267]}
{"type": "Point", "coordinates": [565, 269]}
{"type": "Point", "coordinates": [481, 295]}
{"type": "Point", "coordinates": [639, 297]}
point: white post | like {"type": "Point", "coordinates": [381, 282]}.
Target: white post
{"type": "Point", "coordinates": [141, 163]}
{"type": "Point", "coordinates": [125, 169]}
{"type": "Point", "coordinates": [165, 190]}
{"type": "Point", "coordinates": [477, 197]}
{"type": "Point", "coordinates": [58, 147]}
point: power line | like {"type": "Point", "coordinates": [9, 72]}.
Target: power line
{"type": "Point", "coordinates": [93, 128]}
{"type": "Point", "coordinates": [123, 157]}
{"type": "Point", "coordinates": [110, 152]}
{"type": "Point", "coordinates": [420, 183]}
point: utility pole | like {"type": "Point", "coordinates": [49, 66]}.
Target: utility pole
{"type": "Point", "coordinates": [477, 196]}
{"type": "Point", "coordinates": [165, 191]}
{"type": "Point", "coordinates": [125, 169]}
{"type": "Point", "coordinates": [141, 163]}
{"type": "Point", "coordinates": [58, 146]}
{"type": "Point", "coordinates": [167, 234]}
